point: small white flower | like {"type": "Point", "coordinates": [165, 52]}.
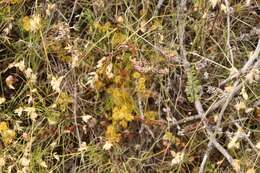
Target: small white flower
{"type": "Point", "coordinates": [223, 8]}
{"type": "Point", "coordinates": [35, 23]}
{"type": "Point", "coordinates": [30, 75]}
{"type": "Point", "coordinates": [143, 27]}
{"type": "Point", "coordinates": [251, 170]}
{"type": "Point", "coordinates": [215, 116]}
{"type": "Point", "coordinates": [86, 118]}
{"type": "Point", "coordinates": [31, 112]}
{"type": "Point", "coordinates": [205, 15]}
{"type": "Point", "coordinates": [75, 61]}
{"type": "Point", "coordinates": [34, 90]}
{"type": "Point", "coordinates": [33, 116]}
{"type": "Point", "coordinates": [240, 106]}
{"type": "Point", "coordinates": [53, 144]}
{"type": "Point", "coordinates": [244, 93]}
{"type": "Point", "coordinates": [54, 105]}
{"type": "Point", "coordinates": [82, 146]}
{"type": "Point", "coordinates": [248, 2]}
{"type": "Point", "coordinates": [236, 165]}
{"type": "Point", "coordinates": [248, 110]}
{"type": "Point", "coordinates": [101, 62]}
{"type": "Point", "coordinates": [43, 164]}
{"type": "Point", "coordinates": [92, 78]}
{"type": "Point", "coordinates": [10, 80]}
{"type": "Point", "coordinates": [8, 29]}
{"type": "Point", "coordinates": [69, 48]}
{"type": "Point", "coordinates": [206, 75]}
{"type": "Point", "coordinates": [214, 3]}
{"type": "Point", "coordinates": [109, 73]}
{"type": "Point", "coordinates": [2, 100]}
{"type": "Point", "coordinates": [234, 141]}
{"type": "Point", "coordinates": [56, 82]}
{"type": "Point", "coordinates": [29, 109]}
{"type": "Point", "coordinates": [23, 170]}
{"type": "Point", "coordinates": [19, 111]}
{"type": "Point", "coordinates": [20, 65]}
{"type": "Point", "coordinates": [258, 145]}
{"type": "Point", "coordinates": [107, 146]}
{"type": "Point", "coordinates": [52, 121]}
{"type": "Point", "coordinates": [50, 9]}
{"type": "Point", "coordinates": [229, 89]}
{"type": "Point", "coordinates": [9, 168]}
{"type": "Point", "coordinates": [24, 162]}
{"type": "Point", "coordinates": [120, 19]}
{"type": "Point", "coordinates": [253, 76]}
{"type": "Point", "coordinates": [56, 156]}
{"type": "Point", "coordinates": [30, 100]}
{"type": "Point", "coordinates": [250, 77]}
{"type": "Point", "coordinates": [178, 158]}
{"type": "Point", "coordinates": [2, 162]}
{"type": "Point", "coordinates": [33, 78]}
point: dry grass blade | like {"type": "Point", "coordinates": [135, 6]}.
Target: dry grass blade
{"type": "Point", "coordinates": [129, 86]}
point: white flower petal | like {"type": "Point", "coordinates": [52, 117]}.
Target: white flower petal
{"type": "Point", "coordinates": [107, 146]}
{"type": "Point", "coordinates": [178, 158]}
{"type": "Point", "coordinates": [86, 118]}
{"type": "Point", "coordinates": [2, 100]}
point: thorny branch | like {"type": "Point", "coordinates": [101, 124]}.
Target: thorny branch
{"type": "Point", "coordinates": [198, 105]}
{"type": "Point", "coordinates": [246, 67]}
{"type": "Point", "coordinates": [236, 88]}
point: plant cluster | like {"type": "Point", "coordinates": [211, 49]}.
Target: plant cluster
{"type": "Point", "coordinates": [129, 86]}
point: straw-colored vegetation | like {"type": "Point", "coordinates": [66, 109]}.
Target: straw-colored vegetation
{"type": "Point", "coordinates": [129, 86]}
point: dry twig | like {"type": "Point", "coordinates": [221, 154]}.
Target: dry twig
{"type": "Point", "coordinates": [198, 105]}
